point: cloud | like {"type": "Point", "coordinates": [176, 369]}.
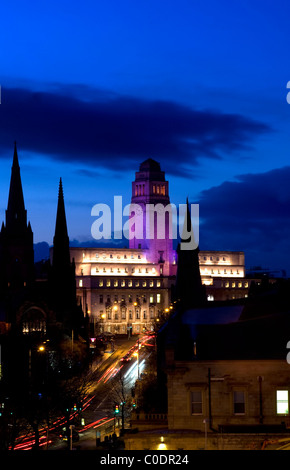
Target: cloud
{"type": "Point", "coordinates": [251, 214]}
{"type": "Point", "coordinates": [88, 126]}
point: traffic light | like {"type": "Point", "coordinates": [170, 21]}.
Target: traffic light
{"type": "Point", "coordinates": [134, 404]}
{"type": "Point", "coordinates": [117, 409]}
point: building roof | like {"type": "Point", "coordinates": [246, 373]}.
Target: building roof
{"type": "Point", "coordinates": [150, 165]}
{"type": "Point", "coordinates": [258, 338]}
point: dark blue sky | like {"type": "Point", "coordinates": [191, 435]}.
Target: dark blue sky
{"type": "Point", "coordinates": [90, 90]}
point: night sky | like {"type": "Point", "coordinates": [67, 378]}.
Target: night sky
{"type": "Point", "coordinates": [91, 89]}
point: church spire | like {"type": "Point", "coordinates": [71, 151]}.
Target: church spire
{"type": "Point", "coordinates": [16, 236]}
{"type": "Point", "coordinates": [61, 254]}
{"type": "Point", "coordinates": [189, 291]}
{"type": "Point", "coordinates": [16, 215]}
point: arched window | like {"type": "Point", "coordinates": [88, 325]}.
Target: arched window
{"type": "Point", "coordinates": [33, 321]}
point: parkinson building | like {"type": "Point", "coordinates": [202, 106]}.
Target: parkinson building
{"type": "Point", "coordinates": [128, 290]}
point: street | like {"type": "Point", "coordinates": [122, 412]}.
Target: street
{"type": "Point", "coordinates": [116, 374]}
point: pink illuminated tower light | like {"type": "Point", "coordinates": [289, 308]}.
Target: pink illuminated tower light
{"type": "Point", "coordinates": [151, 225]}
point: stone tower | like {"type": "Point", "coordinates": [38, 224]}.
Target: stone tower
{"type": "Point", "coordinates": [151, 215]}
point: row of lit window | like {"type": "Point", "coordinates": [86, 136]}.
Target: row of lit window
{"type": "Point", "coordinates": [112, 315]}
{"type": "Point", "coordinates": [125, 270]}
{"type": "Point", "coordinates": [125, 283]}
{"type": "Point", "coordinates": [143, 298]}
{"type": "Point", "coordinates": [120, 328]}
{"type": "Point", "coordinates": [239, 402]}
{"type": "Point", "coordinates": [205, 270]}
{"type": "Point", "coordinates": [237, 284]}
{"type": "Point", "coordinates": [156, 189]}
{"type": "Point", "coordinates": [111, 256]}
{"type": "Point", "coordinates": [211, 258]}
{"type": "Point", "coordinates": [34, 326]}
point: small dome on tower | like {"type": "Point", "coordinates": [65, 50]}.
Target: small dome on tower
{"type": "Point", "coordinates": [150, 165]}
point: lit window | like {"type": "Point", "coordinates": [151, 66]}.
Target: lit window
{"type": "Point", "coordinates": [158, 283]}
{"type": "Point", "coordinates": [282, 402]}
{"type": "Point", "coordinates": [144, 283]}
{"type": "Point", "coordinates": [239, 402]}
{"type": "Point", "coordinates": [196, 403]}
{"type": "Point", "coordinates": [151, 300]}
{"type": "Point", "coordinates": [108, 283]}
{"type": "Point", "coordinates": [129, 283]}
{"type": "Point", "coordinates": [158, 298]}
{"type": "Point", "coordinates": [80, 283]}
{"type": "Point", "coordinates": [101, 283]}
{"type": "Point", "coordinates": [115, 283]}
{"type": "Point", "coordinates": [233, 284]}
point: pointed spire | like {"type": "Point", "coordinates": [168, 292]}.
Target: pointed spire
{"type": "Point", "coordinates": [187, 236]}
{"type": "Point", "coordinates": [15, 157]}
{"type": "Point", "coordinates": [16, 213]}
{"type": "Point", "coordinates": [16, 236]}
{"type": "Point", "coordinates": [189, 291]}
{"type": "Point", "coordinates": [61, 252]}
{"type": "Point", "coordinates": [61, 225]}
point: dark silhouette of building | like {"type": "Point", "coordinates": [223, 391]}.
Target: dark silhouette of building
{"type": "Point", "coordinates": [62, 274]}
{"type": "Point", "coordinates": [189, 291]}
{"type": "Point", "coordinates": [30, 305]}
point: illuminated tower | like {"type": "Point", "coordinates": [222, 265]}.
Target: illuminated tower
{"type": "Point", "coordinates": [151, 217]}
